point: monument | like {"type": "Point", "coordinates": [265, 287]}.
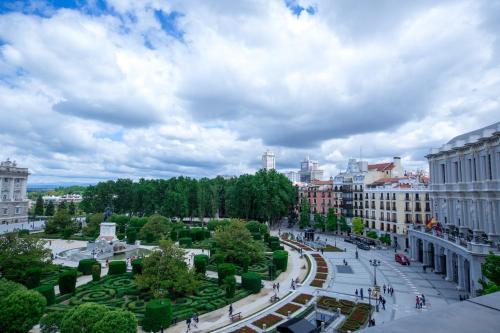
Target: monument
{"type": "Point", "coordinates": [107, 230]}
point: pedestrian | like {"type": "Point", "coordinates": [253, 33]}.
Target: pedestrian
{"type": "Point", "coordinates": [274, 286]}
{"type": "Point", "coordinates": [373, 322]}
{"type": "Point", "coordinates": [230, 309]}
{"type": "Point", "coordinates": [188, 323]}
{"type": "Point", "coordinates": [383, 303]}
{"type": "Point", "coordinates": [278, 287]}
{"type": "Point", "coordinates": [423, 299]}
{"type": "Point", "coordinates": [417, 301]}
{"type": "Point", "coordinates": [384, 288]}
{"type": "Point", "coordinates": [361, 293]}
{"type": "Point", "coordinates": [356, 292]}
{"type": "Point", "coordinates": [322, 251]}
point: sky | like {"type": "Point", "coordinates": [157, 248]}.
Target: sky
{"type": "Point", "coordinates": [105, 89]}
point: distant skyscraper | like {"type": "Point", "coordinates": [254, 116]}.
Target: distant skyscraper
{"type": "Point", "coordinates": [309, 171]}
{"type": "Point", "coordinates": [268, 160]}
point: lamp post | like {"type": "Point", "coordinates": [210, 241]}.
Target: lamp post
{"type": "Point", "coordinates": [375, 263]}
{"type": "Point", "coordinates": [370, 303]}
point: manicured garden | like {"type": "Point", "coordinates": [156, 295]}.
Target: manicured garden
{"type": "Point", "coordinates": [302, 299]}
{"type": "Point", "coordinates": [357, 313]}
{"type": "Point", "coordinates": [269, 320]}
{"type": "Point", "coordinates": [321, 271]}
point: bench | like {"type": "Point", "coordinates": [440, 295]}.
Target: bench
{"type": "Point", "coordinates": [274, 298]}
{"type": "Point", "coordinates": [235, 317]}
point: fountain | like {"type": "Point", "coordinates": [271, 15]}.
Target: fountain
{"type": "Point", "coordinates": [106, 246]}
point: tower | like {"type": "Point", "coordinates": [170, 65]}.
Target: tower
{"type": "Point", "coordinates": [268, 160]}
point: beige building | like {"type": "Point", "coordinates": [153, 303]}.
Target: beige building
{"type": "Point", "coordinates": [392, 204]}
{"type": "Point", "coordinates": [13, 199]}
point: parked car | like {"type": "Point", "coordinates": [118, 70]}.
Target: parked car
{"type": "Point", "coordinates": [348, 240]}
{"type": "Point", "coordinates": [402, 259]}
{"type": "Point", "coordinates": [363, 246]}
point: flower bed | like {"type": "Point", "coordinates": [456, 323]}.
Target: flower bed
{"type": "Point", "coordinates": [244, 329]}
{"type": "Point", "coordinates": [269, 320]}
{"type": "Point", "coordinates": [321, 276]}
{"type": "Point", "coordinates": [330, 248]}
{"type": "Point", "coordinates": [333, 304]}
{"type": "Point", "coordinates": [322, 269]}
{"type": "Point", "coordinates": [288, 307]}
{"type": "Point", "coordinates": [317, 283]}
{"type": "Point", "coordinates": [357, 319]}
{"type": "Point", "coordinates": [302, 298]}
{"type": "Point", "coordinates": [315, 255]}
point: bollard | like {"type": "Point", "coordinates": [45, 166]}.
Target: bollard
{"type": "Point", "coordinates": [264, 326]}
{"type": "Point", "coordinates": [288, 315]}
{"type": "Point", "coordinates": [322, 326]}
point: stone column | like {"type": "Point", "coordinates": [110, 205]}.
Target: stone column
{"type": "Point", "coordinates": [461, 273]}
{"type": "Point", "coordinates": [449, 265]}
{"type": "Point", "coordinates": [426, 253]}
{"type": "Point", "coordinates": [437, 265]}
{"type": "Point", "coordinates": [11, 193]}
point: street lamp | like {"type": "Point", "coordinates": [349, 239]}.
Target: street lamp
{"type": "Point", "coordinates": [370, 303]}
{"type": "Point", "coordinates": [375, 263]}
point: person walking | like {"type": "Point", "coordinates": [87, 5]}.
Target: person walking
{"type": "Point", "coordinates": [278, 287]}
{"type": "Point", "coordinates": [356, 292]}
{"type": "Point", "coordinates": [274, 286]}
{"type": "Point", "coordinates": [417, 301]}
{"type": "Point", "coordinates": [383, 303]}
{"type": "Point", "coordinates": [384, 288]}
{"type": "Point", "coordinates": [361, 293]}
{"type": "Point", "coordinates": [423, 299]}
{"type": "Point", "coordinates": [230, 309]}
{"type": "Point", "coordinates": [188, 324]}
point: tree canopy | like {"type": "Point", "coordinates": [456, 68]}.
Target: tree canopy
{"type": "Point", "coordinates": [357, 225]}
{"type": "Point", "coordinates": [21, 310]}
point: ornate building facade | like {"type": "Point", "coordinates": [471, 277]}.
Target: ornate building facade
{"type": "Point", "coordinates": [13, 199]}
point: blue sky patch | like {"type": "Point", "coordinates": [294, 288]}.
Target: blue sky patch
{"type": "Point", "coordinates": [168, 23]}
{"type": "Point", "coordinates": [297, 9]}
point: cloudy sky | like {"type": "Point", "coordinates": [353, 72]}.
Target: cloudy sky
{"type": "Point", "coordinates": [102, 89]}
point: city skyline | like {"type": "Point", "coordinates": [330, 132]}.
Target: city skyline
{"type": "Point", "coordinates": [95, 90]}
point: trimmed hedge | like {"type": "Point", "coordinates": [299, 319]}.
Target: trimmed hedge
{"type": "Point", "coordinates": [184, 233]}
{"type": "Point", "coordinates": [131, 235]}
{"type": "Point", "coordinates": [67, 281]}
{"type": "Point", "coordinates": [47, 290]}
{"type": "Point", "coordinates": [200, 263]}
{"type": "Point", "coordinates": [256, 236]}
{"type": "Point", "coordinates": [117, 267]}
{"type": "Point", "coordinates": [96, 272]}
{"type": "Point", "coordinates": [137, 266]}
{"type": "Point", "coordinates": [251, 281]}
{"type": "Point", "coordinates": [158, 315]}
{"type": "Point", "coordinates": [85, 266]}
{"type": "Point", "coordinates": [33, 275]}
{"type": "Point", "coordinates": [197, 234]}
{"type": "Point", "coordinates": [224, 270]}
{"type": "Point", "coordinates": [280, 259]}
{"type": "Point", "coordinates": [173, 235]}
{"type": "Point", "coordinates": [274, 243]}
{"type": "Point", "coordinates": [185, 241]}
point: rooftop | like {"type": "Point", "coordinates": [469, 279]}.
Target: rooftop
{"type": "Point", "coordinates": [381, 166]}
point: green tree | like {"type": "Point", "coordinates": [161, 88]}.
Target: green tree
{"type": "Point", "coordinates": [357, 226]}
{"type": "Point", "coordinates": [491, 270]}
{"type": "Point", "coordinates": [8, 287]}
{"type": "Point", "coordinates": [39, 206]}
{"type": "Point", "coordinates": [81, 319]}
{"type": "Point", "coordinates": [235, 242]}
{"type": "Point", "coordinates": [21, 310]}
{"type": "Point", "coordinates": [319, 221]}
{"type": "Point", "coordinates": [18, 253]}
{"type": "Point", "coordinates": [72, 208]}
{"type": "Point", "coordinates": [373, 234]}
{"type": "Point", "coordinates": [60, 221]}
{"type": "Point", "coordinates": [331, 220]}
{"type": "Point", "coordinates": [157, 227]}
{"type": "Point", "coordinates": [116, 321]}
{"type": "Point", "coordinates": [305, 215]}
{"type": "Point", "coordinates": [165, 269]}
{"type": "Point", "coordinates": [343, 224]}
{"type": "Point", "coordinates": [62, 205]}
{"type": "Point", "coordinates": [49, 210]}
{"type": "Point", "coordinates": [92, 224]}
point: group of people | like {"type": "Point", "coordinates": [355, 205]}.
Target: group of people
{"type": "Point", "coordinates": [194, 320]}
{"type": "Point", "coordinates": [419, 301]}
{"type": "Point", "coordinates": [371, 322]}
{"type": "Point", "coordinates": [276, 287]}
{"type": "Point", "coordinates": [389, 289]}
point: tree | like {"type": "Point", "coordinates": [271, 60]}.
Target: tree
{"type": "Point", "coordinates": [81, 319]}
{"type": "Point", "coordinates": [331, 220]}
{"type": "Point", "coordinates": [305, 215]}
{"type": "Point", "coordinates": [39, 206]}
{"type": "Point", "coordinates": [343, 224]}
{"type": "Point", "coordinates": [59, 222]}
{"type": "Point", "coordinates": [166, 269]}
{"type": "Point", "coordinates": [62, 205]}
{"type": "Point", "coordinates": [116, 321]}
{"type": "Point", "coordinates": [92, 224]}
{"type": "Point", "coordinates": [235, 242]}
{"type": "Point", "coordinates": [72, 208]}
{"type": "Point", "coordinates": [358, 226]}
{"type": "Point", "coordinates": [16, 254]}
{"type": "Point", "coordinates": [373, 234]}
{"type": "Point", "coordinates": [8, 287]}
{"type": "Point", "coordinates": [21, 310]}
{"type": "Point", "coordinates": [319, 221]}
{"type": "Point", "coordinates": [156, 227]}
{"type": "Point", "coordinates": [491, 268]}
{"type": "Point", "coordinates": [49, 210]}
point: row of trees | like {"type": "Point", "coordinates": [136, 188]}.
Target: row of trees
{"type": "Point", "coordinates": [48, 210]}
{"type": "Point", "coordinates": [265, 196]}
{"type": "Point", "coordinates": [331, 222]}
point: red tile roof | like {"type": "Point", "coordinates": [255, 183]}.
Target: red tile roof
{"type": "Point", "coordinates": [381, 166]}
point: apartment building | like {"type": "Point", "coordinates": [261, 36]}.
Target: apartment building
{"type": "Point", "coordinates": [392, 204]}
{"type": "Point", "coordinates": [320, 195]}
{"type": "Point", "coordinates": [13, 199]}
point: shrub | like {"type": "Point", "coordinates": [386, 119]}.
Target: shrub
{"type": "Point", "coordinates": [224, 270]}
{"type": "Point", "coordinates": [137, 266]}
{"type": "Point", "coordinates": [51, 322]}
{"type": "Point", "coordinates": [117, 267]}
{"type": "Point", "coordinates": [33, 277]}
{"type": "Point", "coordinates": [245, 262]}
{"type": "Point", "coordinates": [23, 232]}
{"type": "Point", "coordinates": [158, 315]}
{"type": "Point", "coordinates": [253, 226]}
{"type": "Point", "coordinates": [20, 311]}
{"type": "Point", "coordinates": [184, 233]}
{"type": "Point", "coordinates": [256, 236]}
{"type": "Point", "coordinates": [67, 281]}
{"type": "Point", "coordinates": [251, 281]}
{"type": "Point", "coordinates": [230, 285]}
{"type": "Point", "coordinates": [47, 290]}
{"type": "Point", "coordinates": [131, 235]}
{"type": "Point", "coordinates": [185, 241]}
{"type": "Point", "coordinates": [85, 266]}
{"type": "Point", "coordinates": [81, 319]}
{"type": "Point", "coordinates": [280, 259]}
{"type": "Point", "coordinates": [96, 272]}
{"type": "Point", "coordinates": [7, 287]}
{"type": "Point", "coordinates": [173, 235]}
{"type": "Point", "coordinates": [197, 234]}
{"type": "Point", "coordinates": [214, 224]}
{"type": "Point", "coordinates": [206, 234]}
{"type": "Point", "coordinates": [218, 258]}
{"type": "Point", "coordinates": [200, 263]}
{"type": "Point", "coordinates": [116, 321]}
{"type": "Point", "coordinates": [372, 234]}
{"type": "Point", "coordinates": [266, 237]}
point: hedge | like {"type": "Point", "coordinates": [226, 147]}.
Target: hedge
{"type": "Point", "coordinates": [200, 263]}
{"type": "Point", "coordinates": [207, 234]}
{"type": "Point", "coordinates": [131, 235]}
{"type": "Point", "coordinates": [197, 234]}
{"type": "Point", "coordinates": [185, 241]}
{"type": "Point", "coordinates": [173, 235]}
{"type": "Point", "coordinates": [230, 285]}
{"type": "Point", "coordinates": [158, 315]}
{"type": "Point", "coordinates": [85, 266]}
{"type": "Point", "coordinates": [137, 266]}
{"type": "Point", "coordinates": [96, 272]}
{"type": "Point", "coordinates": [214, 224]}
{"type": "Point", "coordinates": [224, 270]}
{"type": "Point", "coordinates": [251, 281]}
{"type": "Point", "coordinates": [33, 275]}
{"type": "Point", "coordinates": [117, 267]}
{"type": "Point", "coordinates": [184, 233]}
{"type": "Point", "coordinates": [67, 281]}
{"type": "Point", "coordinates": [47, 290]}
{"type": "Point", "coordinates": [256, 236]}
{"type": "Point", "coordinates": [280, 259]}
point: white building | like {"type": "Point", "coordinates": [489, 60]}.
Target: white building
{"type": "Point", "coordinates": [76, 198]}
{"type": "Point", "coordinates": [268, 160]}
{"type": "Point", "coordinates": [293, 176]}
{"type": "Point", "coordinates": [465, 200]}
{"type": "Point", "coordinates": [309, 171]}
{"type": "Point", "coordinates": [13, 199]}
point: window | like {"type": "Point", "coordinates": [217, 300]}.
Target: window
{"type": "Point", "coordinates": [5, 211]}
{"type": "Point", "coordinates": [470, 169]}
{"type": "Point", "coordinates": [475, 171]}
{"type": "Point", "coordinates": [490, 173]}
{"type": "Point", "coordinates": [455, 164]}
{"type": "Point", "coordinates": [443, 173]}
{"type": "Point", "coordinates": [18, 210]}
